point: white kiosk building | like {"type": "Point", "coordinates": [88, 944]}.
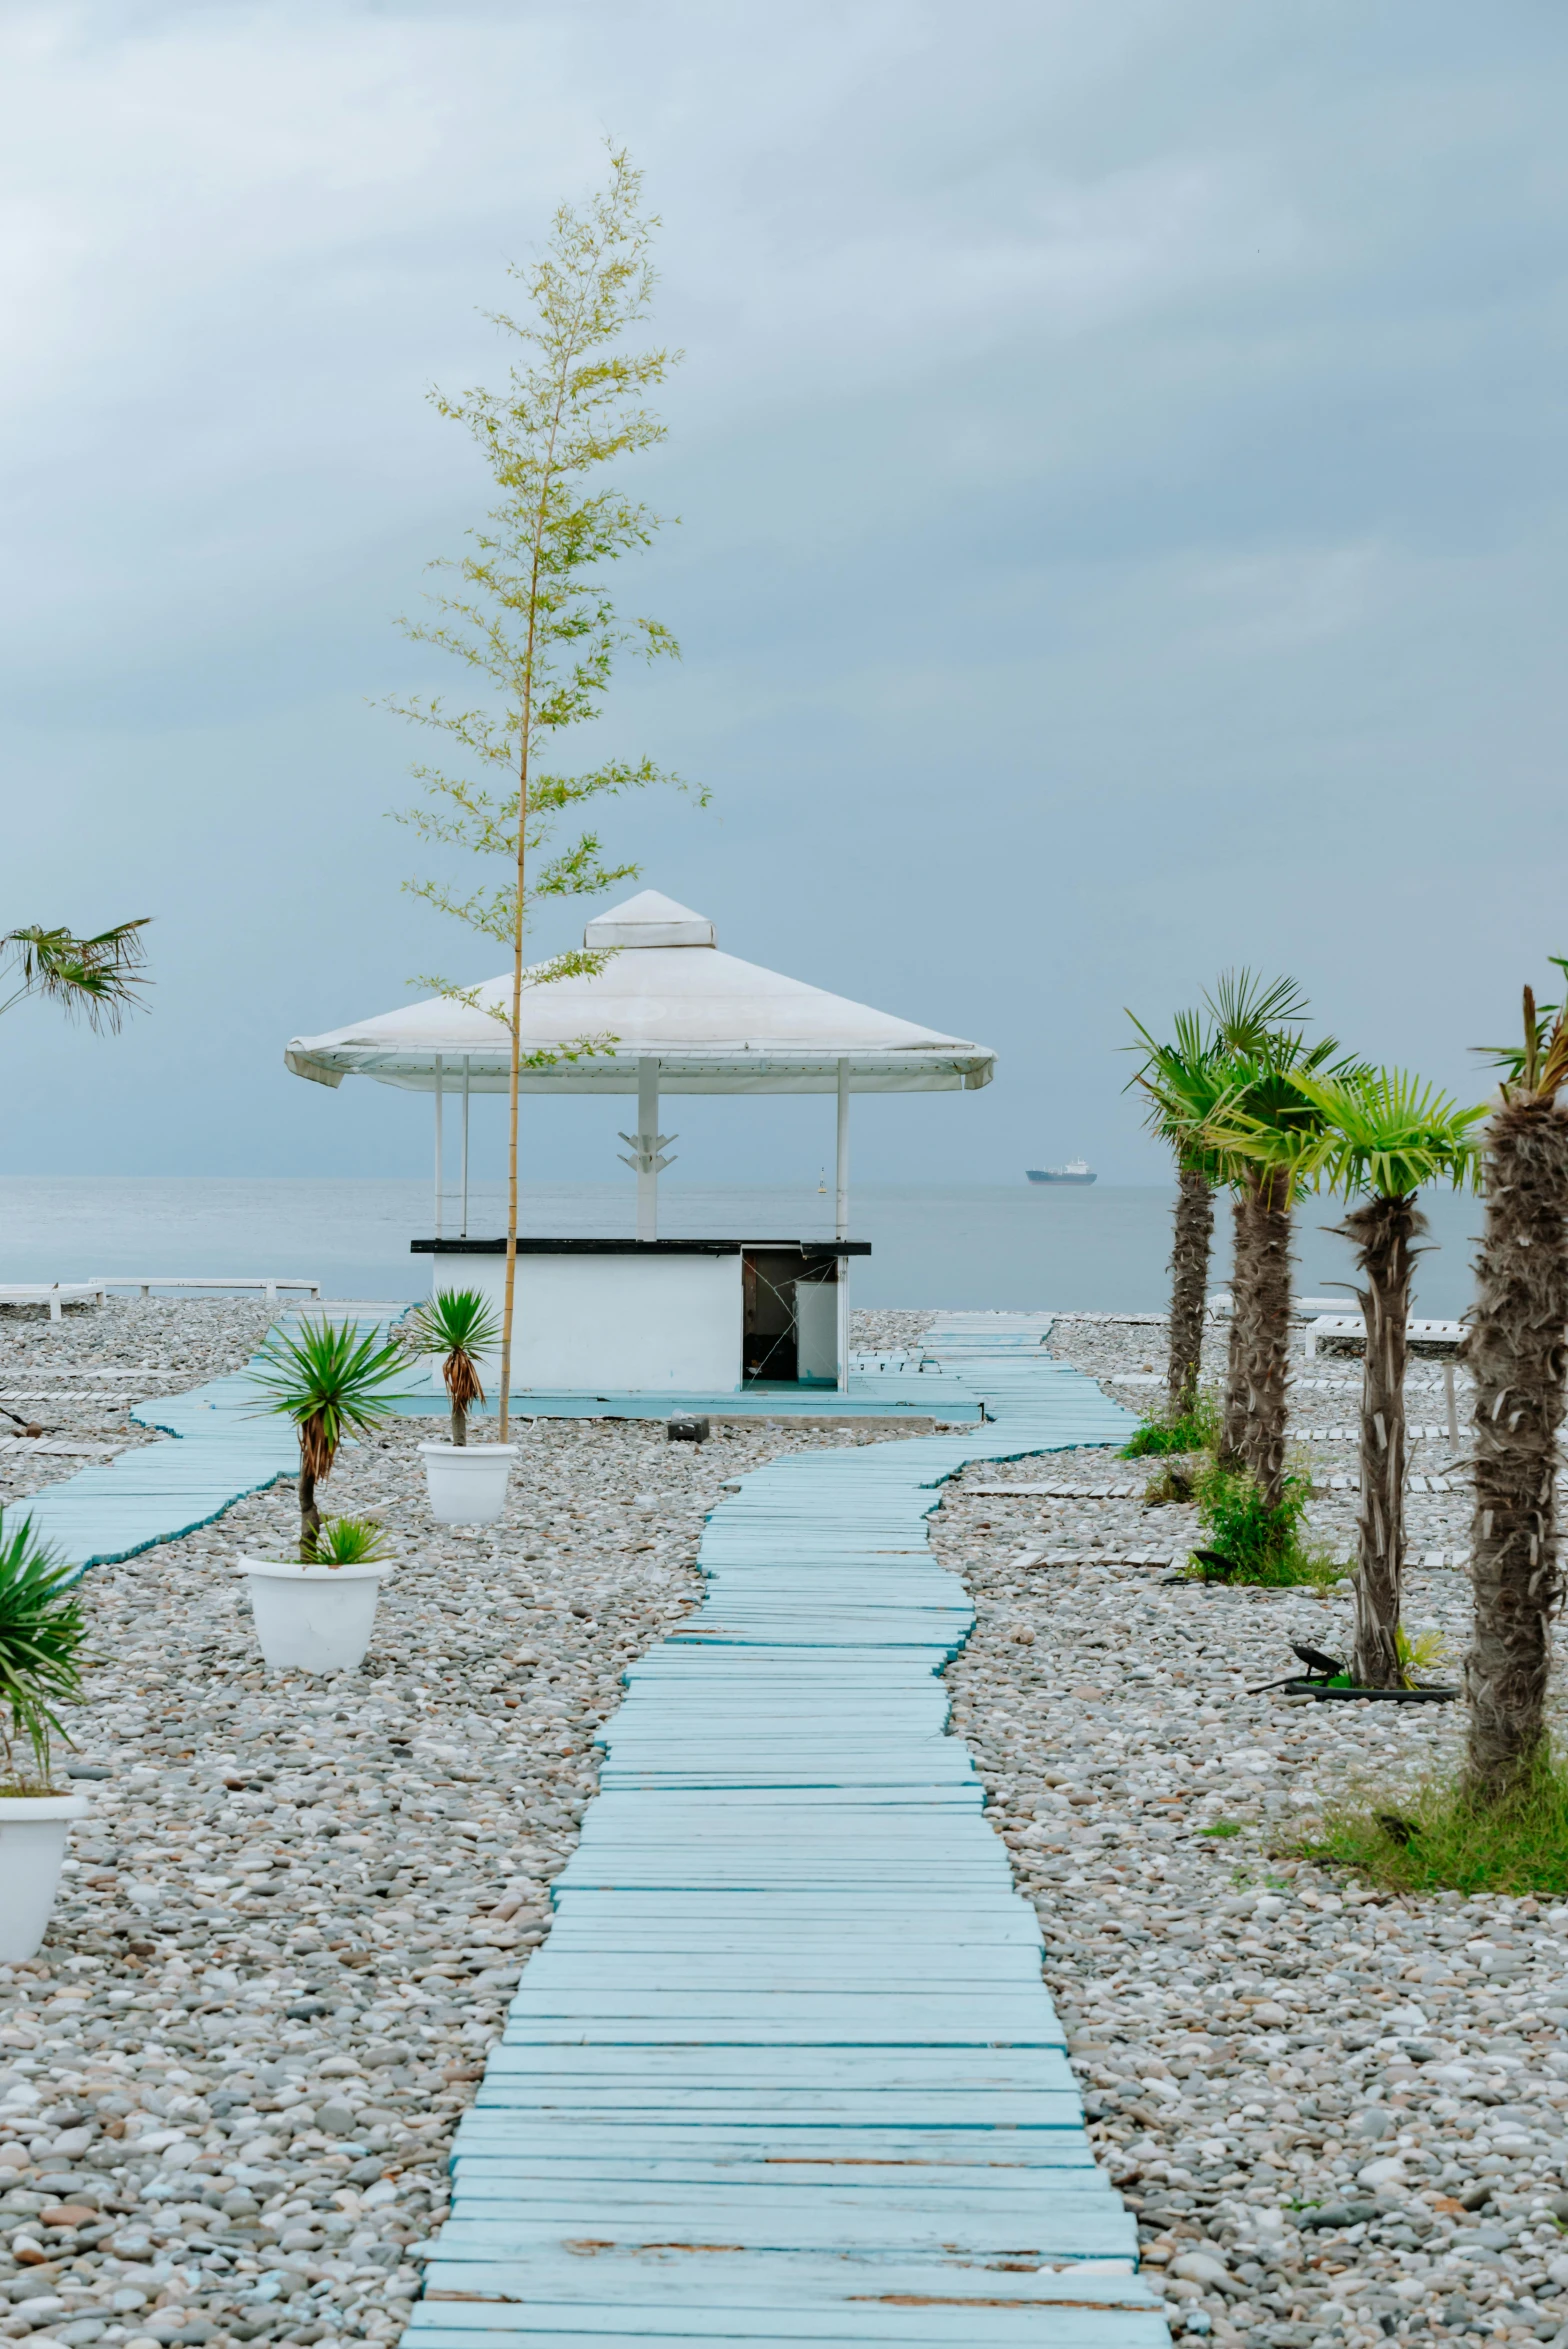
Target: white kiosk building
{"type": "Point", "coordinates": [669, 1013]}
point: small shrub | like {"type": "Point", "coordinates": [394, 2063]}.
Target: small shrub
{"type": "Point", "coordinates": [1197, 1430]}
{"type": "Point", "coordinates": [1176, 1483]}
{"type": "Point", "coordinates": [348, 1541]}
{"type": "Point", "coordinates": [1222, 1829]}
{"type": "Point", "coordinates": [1439, 1840]}
{"type": "Point", "coordinates": [1251, 1543]}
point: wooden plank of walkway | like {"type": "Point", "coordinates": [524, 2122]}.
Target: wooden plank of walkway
{"type": "Point", "coordinates": [785, 2070]}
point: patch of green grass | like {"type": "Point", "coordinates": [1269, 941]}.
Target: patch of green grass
{"type": "Point", "coordinates": [1222, 1829]}
{"type": "Point", "coordinates": [1435, 1839]}
{"type": "Point", "coordinates": [1197, 1430]}
{"type": "Point", "coordinates": [1248, 1542]}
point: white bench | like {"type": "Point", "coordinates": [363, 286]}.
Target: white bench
{"type": "Point", "coordinates": [54, 1294]}
{"type": "Point", "coordinates": [1442, 1338]}
{"type": "Point", "coordinates": [147, 1282]}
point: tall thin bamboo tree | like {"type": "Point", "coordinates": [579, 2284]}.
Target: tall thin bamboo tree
{"type": "Point", "coordinates": [1518, 1352]}
{"type": "Point", "coordinates": [1386, 1136]}
{"type": "Point", "coordinates": [533, 617]}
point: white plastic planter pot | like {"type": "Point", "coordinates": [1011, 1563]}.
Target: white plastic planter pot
{"type": "Point", "coordinates": [313, 1618]}
{"type": "Point", "coordinates": [467, 1481]}
{"type": "Point", "coordinates": [33, 1829]}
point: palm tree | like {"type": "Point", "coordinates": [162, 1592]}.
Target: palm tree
{"type": "Point", "coordinates": [331, 1382]}
{"type": "Point", "coordinates": [1389, 1135]}
{"type": "Point", "coordinates": [1185, 1081]}
{"type": "Point", "coordinates": [1519, 1360]}
{"type": "Point", "coordinates": [460, 1326]}
{"type": "Point", "coordinates": [1261, 1132]}
{"type": "Point", "coordinates": [94, 978]}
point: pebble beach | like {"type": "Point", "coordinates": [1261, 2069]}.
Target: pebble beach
{"type": "Point", "coordinates": [289, 1929]}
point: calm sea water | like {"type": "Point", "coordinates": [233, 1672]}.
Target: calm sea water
{"type": "Point", "coordinates": [1017, 1246]}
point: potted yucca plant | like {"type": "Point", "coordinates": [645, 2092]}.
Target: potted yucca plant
{"type": "Point", "coordinates": [467, 1482]}
{"type": "Point", "coordinates": [314, 1611]}
{"type": "Point", "coordinates": [42, 1629]}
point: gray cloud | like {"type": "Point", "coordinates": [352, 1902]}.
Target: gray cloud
{"type": "Point", "coordinates": [1122, 524]}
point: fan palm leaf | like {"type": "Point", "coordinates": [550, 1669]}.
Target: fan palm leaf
{"type": "Point", "coordinates": [92, 978]}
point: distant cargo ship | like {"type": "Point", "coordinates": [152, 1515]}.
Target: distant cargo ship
{"type": "Point", "coordinates": [1077, 1170]}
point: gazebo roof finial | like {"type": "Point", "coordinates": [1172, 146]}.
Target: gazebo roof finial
{"type": "Point", "coordinates": [650, 919]}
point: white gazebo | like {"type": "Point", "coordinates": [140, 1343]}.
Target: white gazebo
{"type": "Point", "coordinates": [668, 1013]}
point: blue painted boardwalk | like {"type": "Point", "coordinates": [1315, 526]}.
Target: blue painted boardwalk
{"type": "Point", "coordinates": [785, 2070]}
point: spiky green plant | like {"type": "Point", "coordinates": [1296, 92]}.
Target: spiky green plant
{"type": "Point", "coordinates": [42, 1631]}
{"type": "Point", "coordinates": [459, 1325]}
{"type": "Point", "coordinates": [349, 1541]}
{"type": "Point", "coordinates": [331, 1382]}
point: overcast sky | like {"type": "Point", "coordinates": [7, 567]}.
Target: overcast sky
{"type": "Point", "coordinates": [1119, 454]}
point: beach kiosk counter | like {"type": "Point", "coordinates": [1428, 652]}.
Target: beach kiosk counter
{"type": "Point", "coordinates": [668, 1013]}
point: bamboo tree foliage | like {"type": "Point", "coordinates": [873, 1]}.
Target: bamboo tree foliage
{"type": "Point", "coordinates": [1386, 1136]}
{"type": "Point", "coordinates": [1185, 1080]}
{"type": "Point", "coordinates": [531, 615]}
{"type": "Point", "coordinates": [1517, 1350]}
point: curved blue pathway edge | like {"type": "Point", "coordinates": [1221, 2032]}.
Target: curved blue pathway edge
{"type": "Point", "coordinates": [785, 2069]}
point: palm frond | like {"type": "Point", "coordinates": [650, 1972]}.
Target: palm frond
{"type": "Point", "coordinates": [331, 1383]}
{"type": "Point", "coordinates": [1391, 1132]}
{"type": "Point", "coordinates": [1247, 1008]}
{"type": "Point", "coordinates": [94, 978]}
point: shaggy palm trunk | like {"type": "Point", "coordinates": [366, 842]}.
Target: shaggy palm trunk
{"type": "Point", "coordinates": [459, 1425]}
{"type": "Point", "coordinates": [1381, 1233]}
{"type": "Point", "coordinates": [1517, 1351]}
{"type": "Point", "coordinates": [1194, 1229]}
{"type": "Point", "coordinates": [315, 1465]}
{"type": "Point", "coordinates": [1233, 1433]}
{"type": "Point", "coordinates": [1265, 1336]}
{"type": "Point", "coordinates": [309, 1514]}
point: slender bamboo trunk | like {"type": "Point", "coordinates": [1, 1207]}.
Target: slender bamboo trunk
{"type": "Point", "coordinates": [1266, 1334]}
{"type": "Point", "coordinates": [1190, 1241]}
{"type": "Point", "coordinates": [1234, 1430]}
{"type": "Point", "coordinates": [1517, 1351]}
{"type": "Point", "coordinates": [1381, 1233]}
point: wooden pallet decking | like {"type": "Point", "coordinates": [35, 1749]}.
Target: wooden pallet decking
{"type": "Point", "coordinates": [785, 2070]}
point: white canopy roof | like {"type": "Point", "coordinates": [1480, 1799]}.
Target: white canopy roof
{"type": "Point", "coordinates": [713, 1024]}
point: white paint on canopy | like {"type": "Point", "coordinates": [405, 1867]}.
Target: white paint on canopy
{"type": "Point", "coordinates": [712, 1023]}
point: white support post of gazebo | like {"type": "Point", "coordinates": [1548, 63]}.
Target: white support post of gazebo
{"type": "Point", "coordinates": [841, 1223]}
{"type": "Point", "coordinates": [439, 1184]}
{"type": "Point", "coordinates": [647, 1158]}
{"type": "Point", "coordinates": [463, 1233]}
{"type": "Point", "coordinates": [647, 1149]}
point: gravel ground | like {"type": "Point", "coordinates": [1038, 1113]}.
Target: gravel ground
{"type": "Point", "coordinates": [1342, 2115]}
{"type": "Point", "coordinates": [288, 1931]}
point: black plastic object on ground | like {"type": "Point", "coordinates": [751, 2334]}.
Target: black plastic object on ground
{"type": "Point", "coordinates": [686, 1428]}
